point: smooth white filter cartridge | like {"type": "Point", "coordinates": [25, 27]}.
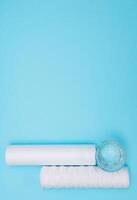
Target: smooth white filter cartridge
{"type": "Point", "coordinates": [82, 177]}
{"type": "Point", "coordinates": [50, 155]}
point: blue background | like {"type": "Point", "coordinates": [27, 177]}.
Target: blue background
{"type": "Point", "coordinates": [68, 74]}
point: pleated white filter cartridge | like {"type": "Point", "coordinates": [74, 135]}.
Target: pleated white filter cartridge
{"type": "Point", "coordinates": [82, 177]}
{"type": "Point", "coordinates": [50, 155]}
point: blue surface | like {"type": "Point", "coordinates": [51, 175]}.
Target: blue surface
{"type": "Point", "coordinates": [68, 74]}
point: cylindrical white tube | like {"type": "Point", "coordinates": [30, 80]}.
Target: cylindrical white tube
{"type": "Point", "coordinates": [50, 155]}
{"type": "Point", "coordinates": [82, 177]}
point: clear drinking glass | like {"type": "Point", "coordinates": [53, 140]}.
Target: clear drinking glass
{"type": "Point", "coordinates": [110, 156]}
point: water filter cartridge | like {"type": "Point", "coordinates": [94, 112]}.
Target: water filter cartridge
{"type": "Point", "coordinates": [50, 155]}
{"type": "Point", "coordinates": [82, 177]}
